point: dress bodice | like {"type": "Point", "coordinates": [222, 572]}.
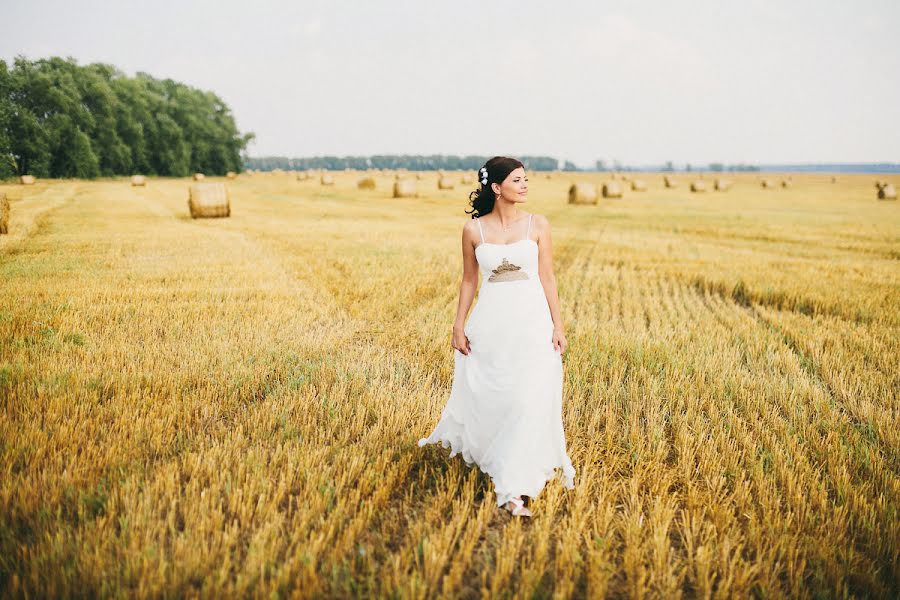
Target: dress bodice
{"type": "Point", "coordinates": [508, 262]}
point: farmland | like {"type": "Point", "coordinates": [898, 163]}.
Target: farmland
{"type": "Point", "coordinates": [230, 407]}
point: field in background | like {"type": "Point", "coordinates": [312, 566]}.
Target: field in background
{"type": "Point", "coordinates": [231, 406]}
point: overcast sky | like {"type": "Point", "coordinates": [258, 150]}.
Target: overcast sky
{"type": "Point", "coordinates": [758, 81]}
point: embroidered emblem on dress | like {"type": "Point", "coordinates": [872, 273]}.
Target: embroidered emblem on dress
{"type": "Point", "coordinates": [507, 272]}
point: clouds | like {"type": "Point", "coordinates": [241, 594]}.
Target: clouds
{"type": "Point", "coordinates": [639, 82]}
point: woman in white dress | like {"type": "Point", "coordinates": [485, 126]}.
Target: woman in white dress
{"type": "Point", "coordinates": [504, 412]}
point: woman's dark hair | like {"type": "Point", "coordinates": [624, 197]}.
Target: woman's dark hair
{"type": "Point", "coordinates": [498, 169]}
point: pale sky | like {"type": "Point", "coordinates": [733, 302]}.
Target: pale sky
{"type": "Point", "coordinates": [755, 81]}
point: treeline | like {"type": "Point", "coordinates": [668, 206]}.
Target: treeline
{"type": "Point", "coordinates": [59, 119]}
{"type": "Point", "coordinates": [412, 162]}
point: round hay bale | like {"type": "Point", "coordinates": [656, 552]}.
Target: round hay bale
{"type": "Point", "coordinates": [698, 185]}
{"type": "Point", "coordinates": [670, 182]}
{"type": "Point", "coordinates": [231, 175]}
{"type": "Point", "coordinates": [199, 176]}
{"type": "Point", "coordinates": [879, 184]}
{"type": "Point", "coordinates": [638, 185]}
{"type": "Point", "coordinates": [786, 183]}
{"type": "Point", "coordinates": [767, 184]}
{"type": "Point", "coordinates": [887, 192]}
{"type": "Point", "coordinates": [400, 176]}
{"type": "Point", "coordinates": [366, 183]}
{"type": "Point", "coordinates": [721, 185]}
{"type": "Point", "coordinates": [446, 183]}
{"type": "Point", "coordinates": [612, 189]}
{"type": "Point", "coordinates": [405, 188]}
{"type": "Point", "coordinates": [548, 176]}
{"type": "Point", "coordinates": [27, 180]}
{"type": "Point", "coordinates": [138, 180]}
{"type": "Point", "coordinates": [326, 179]}
{"type": "Point", "coordinates": [834, 179]}
{"type": "Point", "coordinates": [419, 176]}
{"type": "Point", "coordinates": [583, 193]}
{"type": "Point", "coordinates": [467, 180]}
{"type": "Point", "coordinates": [4, 213]}
{"type": "Point", "coordinates": [302, 176]}
{"type": "Point", "coordinates": [207, 200]}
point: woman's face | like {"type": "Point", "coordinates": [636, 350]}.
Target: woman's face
{"type": "Point", "coordinates": [515, 187]}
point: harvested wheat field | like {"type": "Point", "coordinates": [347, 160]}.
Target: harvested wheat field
{"type": "Point", "coordinates": [230, 407]}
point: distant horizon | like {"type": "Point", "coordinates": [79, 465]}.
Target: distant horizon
{"type": "Point", "coordinates": [861, 167]}
{"type": "Point", "coordinates": [757, 82]}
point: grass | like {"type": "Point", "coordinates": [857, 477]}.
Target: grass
{"type": "Point", "coordinates": [229, 407]}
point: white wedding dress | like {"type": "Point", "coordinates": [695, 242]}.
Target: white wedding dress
{"type": "Point", "coordinates": [504, 412]}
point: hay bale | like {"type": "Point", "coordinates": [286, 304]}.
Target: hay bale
{"type": "Point", "coordinates": [366, 183]}
{"type": "Point", "coordinates": [698, 185]}
{"type": "Point", "coordinates": [887, 192]}
{"type": "Point", "coordinates": [583, 193]}
{"type": "Point", "coordinates": [638, 185]}
{"type": "Point", "coordinates": [231, 175]}
{"type": "Point", "coordinates": [4, 213]}
{"type": "Point", "coordinates": [834, 179]}
{"type": "Point", "coordinates": [879, 184]}
{"type": "Point", "coordinates": [467, 180]}
{"type": "Point", "coordinates": [326, 179]}
{"type": "Point", "coordinates": [405, 188]}
{"type": "Point", "coordinates": [138, 180]}
{"type": "Point", "coordinates": [27, 180]}
{"type": "Point", "coordinates": [786, 183]}
{"type": "Point", "coordinates": [612, 189]}
{"type": "Point", "coordinates": [767, 184]}
{"type": "Point", "coordinates": [206, 200]}
{"type": "Point", "coordinates": [670, 182]}
{"type": "Point", "coordinates": [419, 176]}
{"type": "Point", "coordinates": [721, 185]}
{"type": "Point", "coordinates": [302, 176]}
{"type": "Point", "coordinates": [401, 176]}
{"type": "Point", "coordinates": [445, 183]}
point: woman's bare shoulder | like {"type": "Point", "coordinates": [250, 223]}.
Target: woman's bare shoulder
{"type": "Point", "coordinates": [539, 222]}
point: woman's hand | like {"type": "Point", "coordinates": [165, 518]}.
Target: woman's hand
{"type": "Point", "coordinates": [559, 340]}
{"type": "Point", "coordinates": [460, 341]}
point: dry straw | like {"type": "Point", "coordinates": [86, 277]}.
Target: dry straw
{"type": "Point", "coordinates": [583, 193]}
{"type": "Point", "coordinates": [445, 183]}
{"type": "Point", "coordinates": [612, 189]}
{"type": "Point", "coordinates": [722, 185]}
{"type": "Point", "coordinates": [698, 185]}
{"type": "Point", "coordinates": [138, 180]}
{"type": "Point", "coordinates": [767, 184]}
{"type": "Point", "coordinates": [303, 176]}
{"type": "Point", "coordinates": [670, 182]}
{"type": "Point", "coordinates": [231, 175]}
{"type": "Point", "coordinates": [887, 192]}
{"type": "Point", "coordinates": [199, 176]}
{"type": "Point", "coordinates": [366, 183]}
{"type": "Point", "coordinates": [638, 185]}
{"type": "Point", "coordinates": [27, 179]}
{"type": "Point", "coordinates": [326, 179]}
{"type": "Point", "coordinates": [206, 200]}
{"type": "Point", "coordinates": [467, 180]}
{"type": "Point", "coordinates": [405, 188]}
{"type": "Point", "coordinates": [4, 213]}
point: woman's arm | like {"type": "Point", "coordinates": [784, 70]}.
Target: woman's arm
{"type": "Point", "coordinates": [466, 288]}
{"type": "Point", "coordinates": [548, 280]}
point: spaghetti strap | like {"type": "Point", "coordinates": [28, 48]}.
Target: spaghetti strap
{"type": "Point", "coordinates": [480, 230]}
{"type": "Point", "coordinates": [528, 232]}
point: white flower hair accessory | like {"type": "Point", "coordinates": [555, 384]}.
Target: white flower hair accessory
{"type": "Point", "coordinates": [484, 177]}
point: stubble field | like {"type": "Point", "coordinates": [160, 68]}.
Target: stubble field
{"type": "Point", "coordinates": [230, 407]}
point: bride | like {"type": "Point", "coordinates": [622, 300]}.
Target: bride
{"type": "Point", "coordinates": [504, 412]}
